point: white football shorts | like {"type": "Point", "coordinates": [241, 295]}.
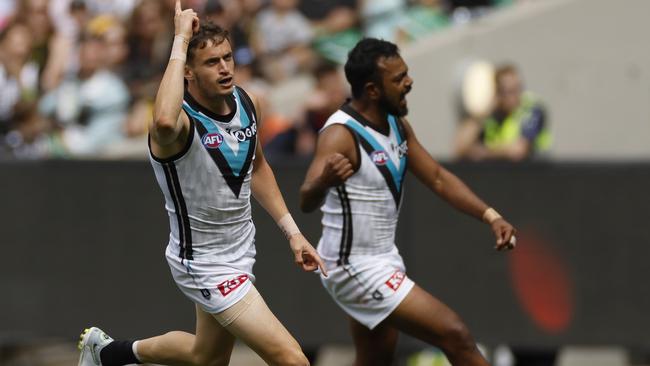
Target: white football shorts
{"type": "Point", "coordinates": [370, 287]}
{"type": "Point", "coordinates": [214, 286]}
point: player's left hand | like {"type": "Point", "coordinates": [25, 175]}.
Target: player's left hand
{"type": "Point", "coordinates": [305, 256]}
{"type": "Point", "coordinates": [505, 234]}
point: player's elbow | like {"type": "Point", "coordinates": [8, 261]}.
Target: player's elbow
{"type": "Point", "coordinates": [163, 124]}
{"type": "Point", "coordinates": [163, 129]}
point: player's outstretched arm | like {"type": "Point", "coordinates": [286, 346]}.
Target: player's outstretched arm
{"type": "Point", "coordinates": [454, 191]}
{"type": "Point", "coordinates": [335, 161]}
{"type": "Point", "coordinates": [168, 121]}
{"type": "Point", "coordinates": [267, 193]}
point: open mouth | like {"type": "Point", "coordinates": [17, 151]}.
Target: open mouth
{"type": "Point", "coordinates": [226, 81]}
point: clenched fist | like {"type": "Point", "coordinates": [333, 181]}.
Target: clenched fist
{"type": "Point", "coordinates": [336, 171]}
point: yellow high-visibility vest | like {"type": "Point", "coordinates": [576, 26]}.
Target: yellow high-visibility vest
{"type": "Point", "coordinates": [498, 135]}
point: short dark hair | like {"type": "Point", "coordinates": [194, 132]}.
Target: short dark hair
{"type": "Point", "coordinates": [208, 31]}
{"type": "Point", "coordinates": [505, 69]}
{"type": "Point", "coordinates": [361, 66]}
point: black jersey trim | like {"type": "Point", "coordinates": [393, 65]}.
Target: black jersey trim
{"type": "Point", "coordinates": [230, 99]}
{"type": "Point", "coordinates": [248, 104]}
{"type": "Point", "coordinates": [347, 108]}
{"type": "Point", "coordinates": [184, 229]}
{"type": "Point", "coordinates": [346, 234]}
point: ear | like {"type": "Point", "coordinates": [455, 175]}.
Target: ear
{"type": "Point", "coordinates": [189, 74]}
{"type": "Point", "coordinates": [373, 91]}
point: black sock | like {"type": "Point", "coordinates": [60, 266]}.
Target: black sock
{"type": "Point", "coordinates": [118, 353]}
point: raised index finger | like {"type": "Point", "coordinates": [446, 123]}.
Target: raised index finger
{"type": "Point", "coordinates": [178, 7]}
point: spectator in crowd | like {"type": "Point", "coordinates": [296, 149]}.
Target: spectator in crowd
{"type": "Point", "coordinates": [90, 106]}
{"type": "Point", "coordinates": [329, 93]}
{"type": "Point", "coordinates": [422, 18]}
{"type": "Point", "coordinates": [35, 14]}
{"type": "Point", "coordinates": [18, 87]}
{"type": "Point", "coordinates": [381, 18]}
{"type": "Point", "coordinates": [150, 39]}
{"type": "Point", "coordinates": [330, 16]}
{"type": "Point", "coordinates": [233, 15]}
{"type": "Point", "coordinates": [64, 57]}
{"type": "Point", "coordinates": [113, 35]}
{"type": "Point", "coordinates": [282, 40]}
{"type": "Point", "coordinates": [515, 130]}
{"type": "Point", "coordinates": [272, 40]}
{"type": "Point", "coordinates": [335, 24]}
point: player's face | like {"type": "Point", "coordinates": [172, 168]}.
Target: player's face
{"type": "Point", "coordinates": [396, 83]}
{"type": "Point", "coordinates": [213, 68]}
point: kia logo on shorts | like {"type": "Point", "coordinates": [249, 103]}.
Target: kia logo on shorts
{"type": "Point", "coordinates": [228, 286]}
{"type": "Point", "coordinates": [379, 157]}
{"type": "Point", "coordinates": [212, 140]}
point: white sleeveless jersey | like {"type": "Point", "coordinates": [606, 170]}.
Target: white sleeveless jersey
{"type": "Point", "coordinates": [207, 185]}
{"type": "Point", "coordinates": [360, 216]}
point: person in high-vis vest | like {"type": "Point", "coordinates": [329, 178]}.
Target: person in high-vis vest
{"type": "Point", "coordinates": [516, 129]}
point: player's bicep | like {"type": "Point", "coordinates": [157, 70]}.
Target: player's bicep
{"type": "Point", "coordinates": [332, 140]}
{"type": "Point", "coordinates": [260, 159]}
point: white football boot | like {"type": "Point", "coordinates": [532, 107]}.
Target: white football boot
{"type": "Point", "coordinates": [91, 342]}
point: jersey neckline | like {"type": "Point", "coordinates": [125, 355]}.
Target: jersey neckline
{"type": "Point", "coordinates": [226, 118]}
{"type": "Point", "coordinates": [347, 108]}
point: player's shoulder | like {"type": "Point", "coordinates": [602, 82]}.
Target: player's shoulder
{"type": "Point", "coordinates": [337, 118]}
{"type": "Point", "coordinates": [335, 137]}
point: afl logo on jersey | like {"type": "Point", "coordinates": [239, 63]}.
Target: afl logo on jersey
{"type": "Point", "coordinates": [212, 140]}
{"type": "Point", "coordinates": [379, 157]}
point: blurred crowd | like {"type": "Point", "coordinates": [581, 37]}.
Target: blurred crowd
{"type": "Point", "coordinates": [78, 77]}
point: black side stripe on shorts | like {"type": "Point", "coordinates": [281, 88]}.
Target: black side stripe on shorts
{"type": "Point", "coordinates": [346, 235]}
{"type": "Point", "coordinates": [184, 231]}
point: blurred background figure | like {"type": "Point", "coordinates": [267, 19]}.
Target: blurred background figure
{"type": "Point", "coordinates": [336, 26]}
{"type": "Point", "coordinates": [328, 95]}
{"type": "Point", "coordinates": [514, 129]}
{"type": "Point", "coordinates": [282, 40]}
{"type": "Point", "coordinates": [150, 39]}
{"type": "Point", "coordinates": [19, 125]}
{"type": "Point", "coordinates": [381, 18]}
{"type": "Point", "coordinates": [421, 19]}
{"type": "Point", "coordinates": [89, 107]}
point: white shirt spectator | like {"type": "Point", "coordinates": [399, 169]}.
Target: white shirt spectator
{"type": "Point", "coordinates": [11, 90]}
{"type": "Point", "coordinates": [279, 32]}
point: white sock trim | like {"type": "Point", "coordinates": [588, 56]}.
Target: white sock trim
{"type": "Point", "coordinates": [134, 347]}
